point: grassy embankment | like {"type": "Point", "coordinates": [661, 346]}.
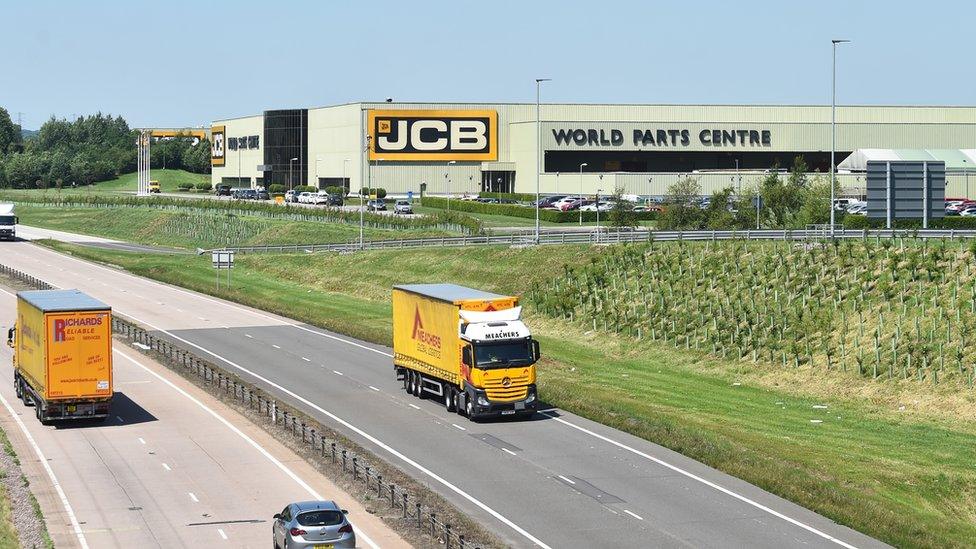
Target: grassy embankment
{"type": "Point", "coordinates": [493, 221]}
{"type": "Point", "coordinates": [880, 456]}
{"type": "Point", "coordinates": [125, 183]}
{"type": "Point", "coordinates": [193, 230]}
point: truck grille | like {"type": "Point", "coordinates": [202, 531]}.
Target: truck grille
{"type": "Point", "coordinates": [518, 389]}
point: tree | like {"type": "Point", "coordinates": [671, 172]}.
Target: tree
{"type": "Point", "coordinates": [815, 207]}
{"type": "Point", "coordinates": [21, 170]}
{"type": "Point", "coordinates": [83, 169]}
{"type": "Point", "coordinates": [10, 138]}
{"type": "Point", "coordinates": [681, 211]}
{"type": "Point", "coordinates": [622, 212]}
{"type": "Point", "coordinates": [718, 215]}
{"type": "Point", "coordinates": [60, 167]}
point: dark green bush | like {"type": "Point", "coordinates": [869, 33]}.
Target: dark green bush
{"type": "Point", "coordinates": [367, 191]}
{"type": "Point", "coordinates": [185, 186]}
{"type": "Point", "coordinates": [858, 222]}
{"type": "Point", "coordinates": [521, 197]}
{"type": "Point", "coordinates": [335, 190]}
{"type": "Point", "coordinates": [204, 186]}
{"type": "Point", "coordinates": [276, 188]}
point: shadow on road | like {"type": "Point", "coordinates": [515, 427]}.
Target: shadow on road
{"type": "Point", "coordinates": [125, 411]}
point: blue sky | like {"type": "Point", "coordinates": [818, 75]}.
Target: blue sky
{"type": "Point", "coordinates": [175, 62]}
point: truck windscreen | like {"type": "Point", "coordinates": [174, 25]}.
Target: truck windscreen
{"type": "Point", "coordinates": [503, 354]}
{"type": "Point", "coordinates": [7, 220]}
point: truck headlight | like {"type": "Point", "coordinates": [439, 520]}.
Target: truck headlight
{"type": "Point", "coordinates": [530, 398]}
{"type": "Point", "coordinates": [483, 401]}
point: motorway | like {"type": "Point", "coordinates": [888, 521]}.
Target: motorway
{"type": "Point", "coordinates": [172, 467]}
{"type": "Point", "coordinates": [556, 481]}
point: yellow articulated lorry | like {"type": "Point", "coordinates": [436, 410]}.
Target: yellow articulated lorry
{"type": "Point", "coordinates": [466, 347]}
{"type": "Point", "coordinates": [63, 354]}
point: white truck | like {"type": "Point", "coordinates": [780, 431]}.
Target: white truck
{"type": "Point", "coordinates": [8, 222]}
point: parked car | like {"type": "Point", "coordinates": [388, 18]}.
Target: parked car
{"type": "Point", "coordinates": [842, 204]}
{"type": "Point", "coordinates": [968, 212]}
{"type": "Point", "coordinates": [222, 190]}
{"type": "Point", "coordinates": [558, 205]}
{"type": "Point", "coordinates": [859, 209]}
{"type": "Point", "coordinates": [320, 197]}
{"type": "Point", "coordinates": [952, 213]}
{"type": "Point", "coordinates": [305, 197]}
{"type": "Point", "coordinates": [291, 196]}
{"type": "Point", "coordinates": [263, 194]}
{"type": "Point", "coordinates": [402, 207]}
{"type": "Point", "coordinates": [548, 201]}
{"type": "Point", "coordinates": [603, 206]}
{"type": "Point", "coordinates": [309, 524]}
{"type": "Point", "coordinates": [334, 200]}
{"type": "Point", "coordinates": [575, 204]}
{"type": "Point", "coordinates": [375, 206]}
{"type": "Point", "coordinates": [649, 208]}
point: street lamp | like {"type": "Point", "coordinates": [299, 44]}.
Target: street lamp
{"type": "Point", "coordinates": [317, 160]}
{"type": "Point", "coordinates": [833, 129]}
{"type": "Point", "coordinates": [598, 191]}
{"type": "Point", "coordinates": [291, 178]}
{"type": "Point", "coordinates": [738, 189]}
{"type": "Point", "coordinates": [538, 151]}
{"type": "Point", "coordinates": [448, 178]}
{"type": "Point", "coordinates": [583, 165]}
{"type": "Point", "coordinates": [344, 189]}
{"type": "Point", "coordinates": [362, 245]}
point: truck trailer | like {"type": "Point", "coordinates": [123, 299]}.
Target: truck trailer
{"type": "Point", "coordinates": [63, 354]}
{"type": "Point", "coordinates": [468, 348]}
{"type": "Point", "coordinates": [8, 222]}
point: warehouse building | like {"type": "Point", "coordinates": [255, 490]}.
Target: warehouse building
{"type": "Point", "coordinates": [448, 148]}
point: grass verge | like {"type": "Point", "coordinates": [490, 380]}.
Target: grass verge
{"type": "Point", "coordinates": [906, 479]}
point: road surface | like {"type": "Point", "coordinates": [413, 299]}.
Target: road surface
{"type": "Point", "coordinates": [26, 232]}
{"type": "Point", "coordinates": [557, 481]}
{"type": "Point", "coordinates": [172, 467]}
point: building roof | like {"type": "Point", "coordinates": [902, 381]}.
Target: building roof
{"type": "Point", "coordinates": [955, 159]}
{"type": "Point", "coordinates": [451, 293]}
{"type": "Point", "coordinates": [52, 301]}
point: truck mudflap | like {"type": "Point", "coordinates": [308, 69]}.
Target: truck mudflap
{"type": "Point", "coordinates": [480, 406]}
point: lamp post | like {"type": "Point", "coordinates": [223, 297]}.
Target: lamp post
{"type": "Point", "coordinates": [291, 177]}
{"type": "Point", "coordinates": [538, 151]}
{"type": "Point", "coordinates": [362, 206]}
{"type": "Point", "coordinates": [344, 189]}
{"type": "Point", "coordinates": [598, 191]}
{"type": "Point", "coordinates": [317, 160]}
{"type": "Point", "coordinates": [833, 128]}
{"type": "Point", "coordinates": [966, 168]}
{"type": "Point", "coordinates": [583, 165]}
{"type": "Point", "coordinates": [447, 176]}
{"type": "Point", "coordinates": [738, 189]}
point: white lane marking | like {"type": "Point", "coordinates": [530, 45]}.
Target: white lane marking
{"type": "Point", "coordinates": [201, 318]}
{"type": "Point", "coordinates": [142, 440]}
{"type": "Point", "coordinates": [222, 534]}
{"type": "Point", "coordinates": [314, 406]}
{"type": "Point", "coordinates": [456, 426]}
{"type": "Point", "coordinates": [306, 360]}
{"type": "Point", "coordinates": [338, 373]}
{"type": "Point", "coordinates": [706, 482]}
{"type": "Point", "coordinates": [635, 515]}
{"type": "Point", "coordinates": [249, 336]}
{"type": "Point", "coordinates": [47, 468]}
{"type": "Point", "coordinates": [509, 451]}
{"type": "Point", "coordinates": [373, 388]}
{"type": "Point", "coordinates": [275, 346]}
{"type": "Point", "coordinates": [414, 406]}
{"type": "Point", "coordinates": [193, 497]}
{"type": "Point", "coordinates": [566, 479]}
{"type": "Point", "coordinates": [249, 440]}
{"type": "Point", "coordinates": [166, 467]}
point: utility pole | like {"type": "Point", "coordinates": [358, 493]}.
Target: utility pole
{"type": "Point", "coordinates": [833, 131]}
{"type": "Point", "coordinates": [538, 151]}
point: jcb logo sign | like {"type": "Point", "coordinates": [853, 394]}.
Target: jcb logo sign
{"type": "Point", "coordinates": [217, 146]}
{"type": "Point", "coordinates": [433, 135]}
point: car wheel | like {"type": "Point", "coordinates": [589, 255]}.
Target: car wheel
{"type": "Point", "coordinates": [449, 402]}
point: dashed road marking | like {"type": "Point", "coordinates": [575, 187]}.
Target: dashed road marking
{"type": "Point", "coordinates": [306, 360]}
{"type": "Point", "coordinates": [633, 514]}
{"type": "Point", "coordinates": [275, 346]}
{"type": "Point", "coordinates": [566, 479]}
{"type": "Point", "coordinates": [142, 440]}
{"type": "Point", "coordinates": [338, 373]}
{"type": "Point", "coordinates": [249, 336]}
{"type": "Point", "coordinates": [414, 406]}
{"type": "Point", "coordinates": [373, 388]}
{"type": "Point", "coordinates": [193, 497]}
{"type": "Point", "coordinates": [222, 534]}
{"type": "Point", "coordinates": [509, 451]}
{"type": "Point", "coordinates": [166, 467]}
{"type": "Point", "coordinates": [456, 426]}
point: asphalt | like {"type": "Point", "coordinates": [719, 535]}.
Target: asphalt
{"type": "Point", "coordinates": [26, 232]}
{"type": "Point", "coordinates": [556, 481]}
{"type": "Point", "coordinates": [164, 470]}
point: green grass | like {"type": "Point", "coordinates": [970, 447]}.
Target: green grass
{"type": "Point", "coordinates": [491, 220]}
{"type": "Point", "coordinates": [168, 181]}
{"type": "Point", "coordinates": [905, 477]}
{"type": "Point", "coordinates": [198, 230]}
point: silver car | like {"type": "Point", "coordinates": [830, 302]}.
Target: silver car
{"type": "Point", "coordinates": [312, 525]}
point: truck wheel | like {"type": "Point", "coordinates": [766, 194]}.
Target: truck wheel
{"type": "Point", "coordinates": [418, 386]}
{"type": "Point", "coordinates": [458, 402]}
{"type": "Point", "coordinates": [406, 380]}
{"type": "Point", "coordinates": [469, 408]}
{"type": "Point", "coordinates": [449, 397]}
{"type": "Point", "coordinates": [18, 389]}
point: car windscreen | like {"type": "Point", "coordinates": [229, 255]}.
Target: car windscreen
{"type": "Point", "coordinates": [319, 518]}
{"type": "Point", "coordinates": [503, 354]}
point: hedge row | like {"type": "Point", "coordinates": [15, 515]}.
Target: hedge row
{"type": "Point", "coordinates": [444, 220]}
{"type": "Point", "coordinates": [513, 210]}
{"type": "Point", "coordinates": [864, 222]}
{"type": "Point", "coordinates": [521, 197]}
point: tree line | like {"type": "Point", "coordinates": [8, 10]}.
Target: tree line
{"type": "Point", "coordinates": [90, 149]}
{"type": "Point", "coordinates": [792, 202]}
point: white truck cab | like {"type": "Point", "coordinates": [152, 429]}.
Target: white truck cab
{"type": "Point", "coordinates": [8, 222]}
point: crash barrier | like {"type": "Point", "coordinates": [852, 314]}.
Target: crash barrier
{"type": "Point", "coordinates": [288, 420]}
{"type": "Point", "coordinates": [607, 237]}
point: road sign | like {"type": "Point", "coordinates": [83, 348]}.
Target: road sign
{"type": "Point", "coordinates": [264, 167]}
{"type": "Point", "coordinates": [222, 259]}
{"type": "Point", "coordinates": [409, 195]}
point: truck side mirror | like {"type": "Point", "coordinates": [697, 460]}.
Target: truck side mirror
{"type": "Point", "coordinates": [466, 356]}
{"type": "Point", "coordinates": [535, 350]}
{"type": "Point", "coordinates": [10, 337]}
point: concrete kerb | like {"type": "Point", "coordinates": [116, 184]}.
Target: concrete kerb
{"type": "Point", "coordinates": [418, 514]}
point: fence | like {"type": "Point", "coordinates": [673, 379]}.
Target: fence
{"type": "Point", "coordinates": [605, 237]}
{"type": "Point", "coordinates": [285, 419]}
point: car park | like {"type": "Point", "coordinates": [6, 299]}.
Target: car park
{"type": "Point", "coordinates": [548, 201]}
{"type": "Point", "coordinates": [402, 207]}
{"type": "Point", "coordinates": [312, 524]}
{"type": "Point", "coordinates": [375, 206]}
{"type": "Point", "coordinates": [305, 197]}
{"type": "Point", "coordinates": [575, 204]}
{"type": "Point", "coordinates": [602, 206]}
{"type": "Point", "coordinates": [320, 197]}
{"type": "Point", "coordinates": [559, 204]}
{"type": "Point", "coordinates": [291, 196]}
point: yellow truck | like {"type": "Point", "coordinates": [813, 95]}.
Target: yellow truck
{"type": "Point", "coordinates": [154, 187]}
{"type": "Point", "coordinates": [63, 354]}
{"type": "Point", "coordinates": [468, 348]}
